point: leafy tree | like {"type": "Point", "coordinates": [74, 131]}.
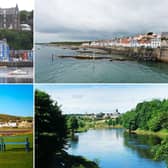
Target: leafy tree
{"type": "Point", "coordinates": [161, 151]}
{"type": "Point", "coordinates": [110, 122]}
{"type": "Point", "coordinates": [73, 123]}
{"type": "Point", "coordinates": [18, 40]}
{"type": "Point", "coordinates": [152, 115]}
{"type": "Point", "coordinates": [50, 127]}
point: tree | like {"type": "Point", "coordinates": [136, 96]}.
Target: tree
{"type": "Point", "coordinates": [161, 151]}
{"type": "Point", "coordinates": [51, 130]}
{"type": "Point", "coordinates": [152, 115]}
{"type": "Point", "coordinates": [73, 122]}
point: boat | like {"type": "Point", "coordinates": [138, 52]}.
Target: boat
{"type": "Point", "coordinates": [18, 72]}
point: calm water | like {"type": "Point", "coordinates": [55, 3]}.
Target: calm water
{"type": "Point", "coordinates": [94, 71]}
{"type": "Point", "coordinates": [113, 148]}
{"type": "Point", "coordinates": [6, 78]}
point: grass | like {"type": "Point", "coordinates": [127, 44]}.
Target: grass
{"type": "Point", "coordinates": [162, 133]}
{"type": "Point", "coordinates": [15, 155]}
{"type": "Point", "coordinates": [98, 124]}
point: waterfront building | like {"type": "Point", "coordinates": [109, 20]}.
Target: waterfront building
{"type": "Point", "coordinates": [155, 42]}
{"type": "Point", "coordinates": [85, 44]}
{"type": "Point", "coordinates": [164, 40]}
{"type": "Point", "coordinates": [10, 18]}
{"type": "Point", "coordinates": [4, 50]}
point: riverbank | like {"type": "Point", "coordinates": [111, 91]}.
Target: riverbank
{"type": "Point", "coordinates": [162, 133]}
{"type": "Point", "coordinates": [71, 161]}
{"type": "Point", "coordinates": [100, 124]}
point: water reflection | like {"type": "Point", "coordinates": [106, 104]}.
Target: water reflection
{"type": "Point", "coordinates": [142, 144]}
{"type": "Point", "coordinates": [74, 142]}
{"type": "Point", "coordinates": [115, 148]}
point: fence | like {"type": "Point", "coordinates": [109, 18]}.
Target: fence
{"type": "Point", "coordinates": [4, 143]}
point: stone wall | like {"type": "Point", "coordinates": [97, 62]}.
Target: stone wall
{"type": "Point", "coordinates": [164, 55]}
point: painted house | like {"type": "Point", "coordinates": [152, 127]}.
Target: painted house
{"type": "Point", "coordinates": [4, 50]}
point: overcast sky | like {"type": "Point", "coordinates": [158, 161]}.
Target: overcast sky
{"type": "Point", "coordinates": [58, 20]}
{"type": "Point", "coordinates": [23, 4]}
{"type": "Point", "coordinates": [102, 98]}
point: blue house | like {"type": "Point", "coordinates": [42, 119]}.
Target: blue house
{"type": "Point", "coordinates": [4, 51]}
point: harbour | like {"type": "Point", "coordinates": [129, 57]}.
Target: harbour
{"type": "Point", "coordinates": [70, 70]}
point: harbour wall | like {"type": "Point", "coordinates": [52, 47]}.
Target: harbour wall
{"type": "Point", "coordinates": [142, 54]}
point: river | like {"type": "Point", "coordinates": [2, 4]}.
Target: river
{"type": "Point", "coordinates": [113, 148]}
{"type": "Point", "coordinates": [94, 71]}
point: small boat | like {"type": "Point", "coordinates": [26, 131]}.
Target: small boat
{"type": "Point", "coordinates": [18, 72]}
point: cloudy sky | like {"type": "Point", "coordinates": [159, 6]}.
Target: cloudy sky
{"type": "Point", "coordinates": [102, 98]}
{"type": "Point", "coordinates": [23, 4]}
{"type": "Point", "coordinates": [63, 20]}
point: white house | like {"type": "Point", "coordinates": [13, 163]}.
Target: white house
{"type": "Point", "coordinates": [25, 27]}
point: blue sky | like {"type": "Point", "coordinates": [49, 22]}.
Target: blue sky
{"type": "Point", "coordinates": [103, 98]}
{"type": "Point", "coordinates": [16, 100]}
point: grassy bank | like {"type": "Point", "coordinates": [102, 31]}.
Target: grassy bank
{"type": "Point", "coordinates": [15, 155]}
{"type": "Point", "coordinates": [162, 133]}
{"type": "Point", "coordinates": [99, 124]}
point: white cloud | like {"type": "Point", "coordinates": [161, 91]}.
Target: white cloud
{"type": "Point", "coordinates": [83, 99]}
{"type": "Point", "coordinates": [75, 19]}
{"type": "Point", "coordinates": [23, 4]}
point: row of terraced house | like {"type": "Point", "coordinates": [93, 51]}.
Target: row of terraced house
{"type": "Point", "coordinates": [150, 40]}
{"type": "Point", "coordinates": [16, 124]}
{"type": "Point", "coordinates": [7, 55]}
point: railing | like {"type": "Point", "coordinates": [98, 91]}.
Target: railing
{"type": "Point", "coordinates": [3, 144]}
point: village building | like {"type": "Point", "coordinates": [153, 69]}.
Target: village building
{"type": "Point", "coordinates": [164, 40]}
{"type": "Point", "coordinates": [10, 18]}
{"type": "Point", "coordinates": [25, 124]}
{"type": "Point", "coordinates": [9, 124]}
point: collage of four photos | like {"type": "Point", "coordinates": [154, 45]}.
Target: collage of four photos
{"type": "Point", "coordinates": [83, 84]}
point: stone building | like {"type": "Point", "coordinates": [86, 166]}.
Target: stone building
{"type": "Point", "coordinates": [10, 18]}
{"type": "Point", "coordinates": [164, 40]}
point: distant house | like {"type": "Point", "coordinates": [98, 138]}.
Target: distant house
{"type": "Point", "coordinates": [155, 42]}
{"type": "Point", "coordinates": [25, 124]}
{"type": "Point", "coordinates": [164, 40]}
{"type": "Point", "coordinates": [4, 50]}
{"type": "Point", "coordinates": [85, 44]}
{"type": "Point", "coordinates": [9, 124]}
{"type": "Point", "coordinates": [25, 27]}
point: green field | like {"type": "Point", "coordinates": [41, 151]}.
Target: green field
{"type": "Point", "coordinates": [15, 155]}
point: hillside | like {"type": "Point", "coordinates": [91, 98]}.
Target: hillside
{"type": "Point", "coordinates": [5, 117]}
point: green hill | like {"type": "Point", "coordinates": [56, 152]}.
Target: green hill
{"type": "Point", "coordinates": [6, 117]}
